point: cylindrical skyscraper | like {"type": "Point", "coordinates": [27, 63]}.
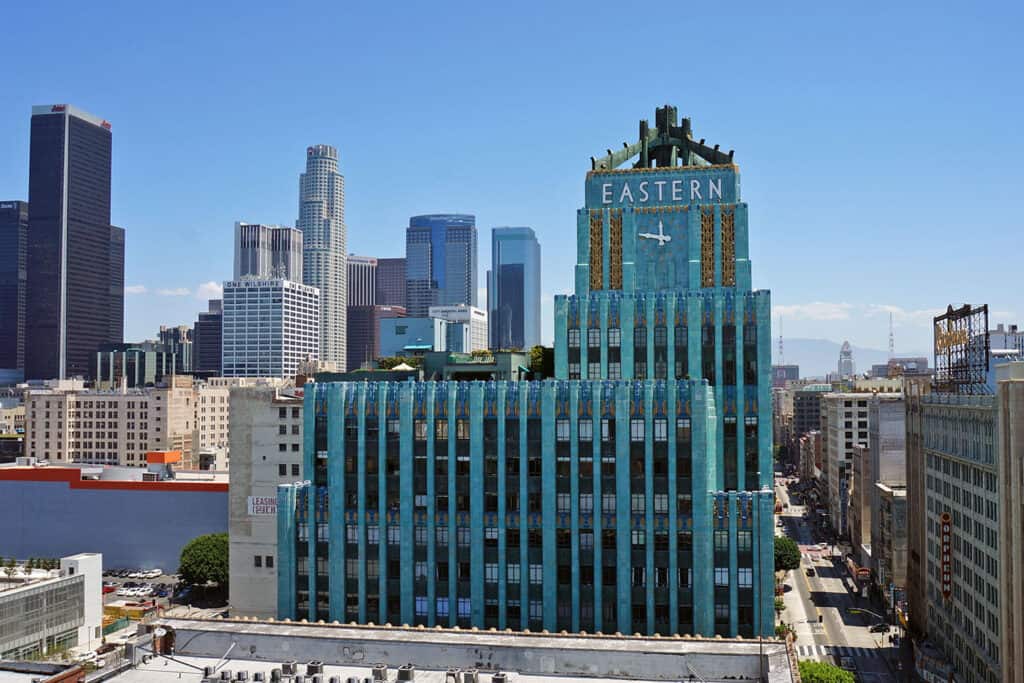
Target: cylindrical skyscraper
{"type": "Point", "coordinates": [322, 222]}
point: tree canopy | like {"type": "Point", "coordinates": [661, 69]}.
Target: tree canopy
{"type": "Point", "coordinates": [787, 554]}
{"type": "Point", "coordinates": [204, 560]}
{"type": "Point", "coordinates": [388, 362]}
{"type": "Point", "coordinates": [821, 672]}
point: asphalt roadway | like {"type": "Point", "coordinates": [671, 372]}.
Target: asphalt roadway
{"type": "Point", "coordinates": [838, 633]}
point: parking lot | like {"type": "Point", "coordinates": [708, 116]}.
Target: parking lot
{"type": "Point", "coordinates": [140, 585]}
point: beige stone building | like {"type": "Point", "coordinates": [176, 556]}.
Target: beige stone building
{"type": "Point", "coordinates": [12, 419]}
{"type": "Point", "coordinates": [1010, 405]}
{"type": "Point", "coordinates": [66, 423]}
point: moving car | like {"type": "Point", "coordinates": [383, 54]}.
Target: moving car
{"type": "Point", "coordinates": [847, 663]}
{"type": "Point", "coordinates": [879, 628]}
{"type": "Point", "coordinates": [809, 571]}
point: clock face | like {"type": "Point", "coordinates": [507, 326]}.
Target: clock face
{"type": "Point", "coordinates": [660, 250]}
{"type": "Point", "coordinates": [661, 237]}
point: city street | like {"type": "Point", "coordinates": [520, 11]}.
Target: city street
{"type": "Point", "coordinates": [818, 604]}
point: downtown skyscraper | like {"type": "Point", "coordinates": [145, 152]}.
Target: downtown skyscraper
{"type": "Point", "coordinates": [322, 222]}
{"type": "Point", "coordinates": [75, 257]}
{"type": "Point", "coordinates": [513, 289]}
{"type": "Point", "coordinates": [268, 251]}
{"type": "Point", "coordinates": [13, 243]}
{"type": "Point", "coordinates": [440, 262]}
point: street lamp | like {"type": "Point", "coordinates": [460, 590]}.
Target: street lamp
{"type": "Point", "coordinates": [859, 610]}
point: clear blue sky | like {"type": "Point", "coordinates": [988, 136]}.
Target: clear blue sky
{"type": "Point", "coordinates": [880, 146]}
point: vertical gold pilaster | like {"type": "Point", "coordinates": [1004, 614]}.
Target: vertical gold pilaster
{"type": "Point", "coordinates": [728, 247]}
{"type": "Point", "coordinates": [596, 250]}
{"type": "Point", "coordinates": [615, 250]}
{"type": "Point", "coordinates": [707, 246]}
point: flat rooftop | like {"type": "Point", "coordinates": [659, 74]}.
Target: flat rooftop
{"type": "Point", "coordinates": [350, 651]}
{"type": "Point", "coordinates": [96, 476]}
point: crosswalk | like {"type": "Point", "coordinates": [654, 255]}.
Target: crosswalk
{"type": "Point", "coordinates": [803, 651]}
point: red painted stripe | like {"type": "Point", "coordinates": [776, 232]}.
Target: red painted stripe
{"type": "Point", "coordinates": [73, 478]}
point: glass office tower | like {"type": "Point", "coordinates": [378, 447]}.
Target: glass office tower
{"type": "Point", "coordinates": [630, 493]}
{"type": "Point", "coordinates": [513, 289]}
{"type": "Point", "coordinates": [75, 257]}
{"type": "Point", "coordinates": [13, 248]}
{"type": "Point", "coordinates": [440, 262]}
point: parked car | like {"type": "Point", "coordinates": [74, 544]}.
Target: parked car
{"type": "Point", "coordinates": [109, 588]}
{"type": "Point", "coordinates": [809, 571]}
{"type": "Point", "coordinates": [880, 627]}
{"type": "Point", "coordinates": [847, 663]}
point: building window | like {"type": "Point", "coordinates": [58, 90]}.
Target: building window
{"type": "Point", "coordinates": [574, 337]}
{"type": "Point", "coordinates": [614, 337]}
{"type": "Point", "coordinates": [636, 429]}
{"type": "Point", "coordinates": [295, 470]}
{"type": "Point", "coordinates": [586, 503]}
{"type": "Point", "coordinates": [513, 573]}
{"type": "Point", "coordinates": [536, 574]}
{"type": "Point", "coordinates": [282, 470]}
{"type": "Point", "coordinates": [269, 562]}
{"type": "Point", "coordinates": [257, 560]}
{"type": "Point", "coordinates": [491, 573]}
{"type": "Point", "coordinates": [562, 429]}
{"type": "Point", "coordinates": [660, 429]}
{"type": "Point", "coordinates": [721, 576]}
{"type": "Point", "coordinates": [745, 577]}
{"type": "Point", "coordinates": [594, 337]}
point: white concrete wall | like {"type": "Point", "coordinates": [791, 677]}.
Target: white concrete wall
{"type": "Point", "coordinates": [256, 459]}
{"type": "Point", "coordinates": [90, 565]}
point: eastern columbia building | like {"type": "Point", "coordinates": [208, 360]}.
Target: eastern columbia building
{"type": "Point", "coordinates": [631, 493]}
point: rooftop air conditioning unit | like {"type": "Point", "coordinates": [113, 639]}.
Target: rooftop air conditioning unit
{"type": "Point", "coordinates": [258, 677]}
{"type": "Point", "coordinates": [380, 672]}
{"type": "Point", "coordinates": [470, 676]}
{"type": "Point", "coordinates": [289, 668]}
{"type": "Point", "coordinates": [225, 675]}
{"type": "Point", "coordinates": [314, 667]}
{"type": "Point", "coordinates": [499, 678]}
{"type": "Point", "coordinates": [406, 672]}
{"type": "Point", "coordinates": [242, 676]}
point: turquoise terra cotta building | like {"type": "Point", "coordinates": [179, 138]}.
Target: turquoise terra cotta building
{"type": "Point", "coordinates": [632, 493]}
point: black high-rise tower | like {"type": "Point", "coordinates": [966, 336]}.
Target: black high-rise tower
{"type": "Point", "coordinates": [75, 295]}
{"type": "Point", "coordinates": [13, 244]}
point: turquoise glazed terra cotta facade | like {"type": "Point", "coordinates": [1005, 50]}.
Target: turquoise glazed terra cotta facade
{"type": "Point", "coordinates": [631, 493]}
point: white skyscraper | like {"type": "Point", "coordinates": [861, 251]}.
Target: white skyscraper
{"type": "Point", "coordinates": [322, 222]}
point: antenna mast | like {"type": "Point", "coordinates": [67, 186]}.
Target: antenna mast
{"type": "Point", "coordinates": [782, 355]}
{"type": "Point", "coordinates": [892, 339]}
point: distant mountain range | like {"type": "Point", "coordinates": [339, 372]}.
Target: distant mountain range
{"type": "Point", "coordinates": [818, 357]}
